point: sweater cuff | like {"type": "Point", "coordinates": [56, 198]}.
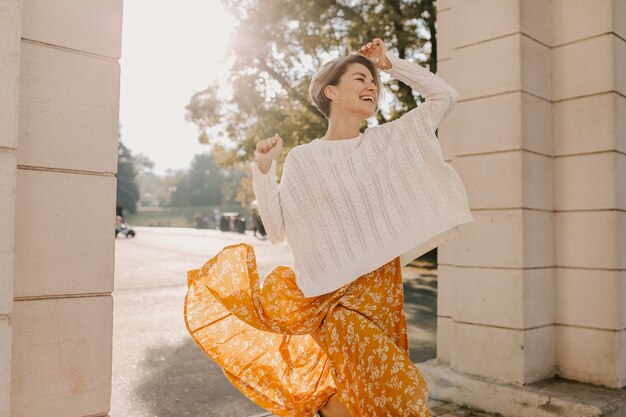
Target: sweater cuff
{"type": "Point", "coordinates": [401, 66]}
{"type": "Point", "coordinates": [261, 181]}
{"type": "Point", "coordinates": [425, 82]}
{"type": "Point", "coordinates": [271, 173]}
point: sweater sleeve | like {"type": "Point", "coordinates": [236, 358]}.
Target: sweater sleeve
{"type": "Point", "coordinates": [439, 96]}
{"type": "Point", "coordinates": [267, 193]}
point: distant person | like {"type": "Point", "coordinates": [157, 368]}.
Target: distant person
{"type": "Point", "coordinates": [262, 231]}
{"type": "Point", "coordinates": [216, 217]}
{"type": "Point", "coordinates": [330, 335]}
{"type": "Point", "coordinates": [197, 217]}
{"type": "Point", "coordinates": [257, 223]}
{"type": "Point", "coordinates": [255, 220]}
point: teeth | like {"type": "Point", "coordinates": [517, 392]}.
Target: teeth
{"type": "Point", "coordinates": [368, 98]}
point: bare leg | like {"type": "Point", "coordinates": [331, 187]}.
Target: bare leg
{"type": "Point", "coordinates": [333, 407]}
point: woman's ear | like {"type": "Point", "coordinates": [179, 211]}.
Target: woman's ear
{"type": "Point", "coordinates": [328, 92]}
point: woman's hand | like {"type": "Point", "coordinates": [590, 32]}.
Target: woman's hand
{"type": "Point", "coordinates": [266, 150]}
{"type": "Point", "coordinates": [375, 52]}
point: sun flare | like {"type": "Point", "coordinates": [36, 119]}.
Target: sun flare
{"type": "Point", "coordinates": [219, 29]}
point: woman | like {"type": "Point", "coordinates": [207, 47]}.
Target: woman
{"type": "Point", "coordinates": [329, 336]}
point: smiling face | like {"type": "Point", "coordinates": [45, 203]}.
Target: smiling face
{"type": "Point", "coordinates": [356, 92]}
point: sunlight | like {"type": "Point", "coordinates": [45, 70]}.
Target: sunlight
{"type": "Point", "coordinates": [220, 31]}
{"type": "Point", "coordinates": [170, 51]}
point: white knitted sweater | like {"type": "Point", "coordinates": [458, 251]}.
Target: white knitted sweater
{"type": "Point", "coordinates": [347, 207]}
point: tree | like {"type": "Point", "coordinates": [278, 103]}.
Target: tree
{"type": "Point", "coordinates": [202, 184]}
{"type": "Point", "coordinates": [169, 185]}
{"type": "Point", "coordinates": [278, 52]}
{"type": "Point", "coordinates": [127, 188]}
{"type": "Point", "coordinates": [150, 184]}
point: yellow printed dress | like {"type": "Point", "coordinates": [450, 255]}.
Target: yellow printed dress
{"type": "Point", "coordinates": [261, 338]}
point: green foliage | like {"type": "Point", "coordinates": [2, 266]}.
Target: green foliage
{"type": "Point", "coordinates": [182, 216]}
{"type": "Point", "coordinates": [203, 109]}
{"type": "Point", "coordinates": [201, 185]}
{"type": "Point", "coordinates": [127, 188]}
{"type": "Point", "coordinates": [152, 191]}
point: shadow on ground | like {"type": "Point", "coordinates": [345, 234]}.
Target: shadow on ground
{"type": "Point", "coordinates": [183, 381]}
{"type": "Point", "coordinates": [420, 306]}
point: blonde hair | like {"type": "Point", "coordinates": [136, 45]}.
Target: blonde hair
{"type": "Point", "coordinates": [330, 73]}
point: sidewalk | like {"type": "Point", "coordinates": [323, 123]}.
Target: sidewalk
{"type": "Point", "coordinates": [437, 409]}
{"type": "Point", "coordinates": [158, 370]}
{"type": "Point", "coordinates": [443, 409]}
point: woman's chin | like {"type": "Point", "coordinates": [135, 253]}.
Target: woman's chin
{"type": "Point", "coordinates": [369, 109]}
{"type": "Point", "coordinates": [366, 113]}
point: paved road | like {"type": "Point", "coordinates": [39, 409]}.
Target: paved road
{"type": "Point", "coordinates": [158, 371]}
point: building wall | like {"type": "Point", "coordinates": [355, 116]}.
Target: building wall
{"type": "Point", "coordinates": [64, 156]}
{"type": "Point", "coordinates": [536, 286]}
{"type": "Point", "coordinates": [9, 81]}
{"type": "Point", "coordinates": [589, 116]}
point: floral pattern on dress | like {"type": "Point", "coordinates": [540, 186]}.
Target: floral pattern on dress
{"type": "Point", "coordinates": [261, 338]}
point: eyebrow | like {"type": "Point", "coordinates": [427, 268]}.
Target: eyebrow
{"type": "Point", "coordinates": [359, 73]}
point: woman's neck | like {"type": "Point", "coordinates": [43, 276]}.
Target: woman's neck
{"type": "Point", "coordinates": [343, 130]}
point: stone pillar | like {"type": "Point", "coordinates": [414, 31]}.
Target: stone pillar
{"type": "Point", "coordinates": [10, 22]}
{"type": "Point", "coordinates": [65, 207]}
{"type": "Point", "coordinates": [496, 305]}
{"type": "Point", "coordinates": [532, 288]}
{"type": "Point", "coordinates": [589, 116]}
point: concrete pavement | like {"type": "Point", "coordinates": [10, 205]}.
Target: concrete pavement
{"type": "Point", "coordinates": [157, 369]}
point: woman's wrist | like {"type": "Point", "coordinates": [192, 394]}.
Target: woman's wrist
{"type": "Point", "coordinates": [383, 63]}
{"type": "Point", "coordinates": [264, 165]}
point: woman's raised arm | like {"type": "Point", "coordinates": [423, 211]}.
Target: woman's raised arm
{"type": "Point", "coordinates": [439, 96]}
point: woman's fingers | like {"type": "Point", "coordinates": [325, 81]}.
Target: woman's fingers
{"type": "Point", "coordinates": [265, 145]}
{"type": "Point", "coordinates": [369, 47]}
{"type": "Point", "coordinates": [375, 42]}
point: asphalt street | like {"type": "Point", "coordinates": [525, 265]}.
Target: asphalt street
{"type": "Point", "coordinates": [158, 370]}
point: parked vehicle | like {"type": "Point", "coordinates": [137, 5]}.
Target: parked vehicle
{"type": "Point", "coordinates": [232, 222]}
{"type": "Point", "coordinates": [122, 227]}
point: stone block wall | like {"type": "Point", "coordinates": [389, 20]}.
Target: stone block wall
{"type": "Point", "coordinates": [58, 184]}
{"type": "Point", "coordinates": [536, 286]}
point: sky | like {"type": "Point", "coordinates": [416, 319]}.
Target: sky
{"type": "Point", "coordinates": [170, 50]}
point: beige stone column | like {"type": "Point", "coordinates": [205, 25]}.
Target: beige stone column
{"type": "Point", "coordinates": [10, 22]}
{"type": "Point", "coordinates": [535, 286]}
{"type": "Point", "coordinates": [589, 119]}
{"type": "Point", "coordinates": [65, 207]}
{"type": "Point", "coordinates": [496, 281]}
